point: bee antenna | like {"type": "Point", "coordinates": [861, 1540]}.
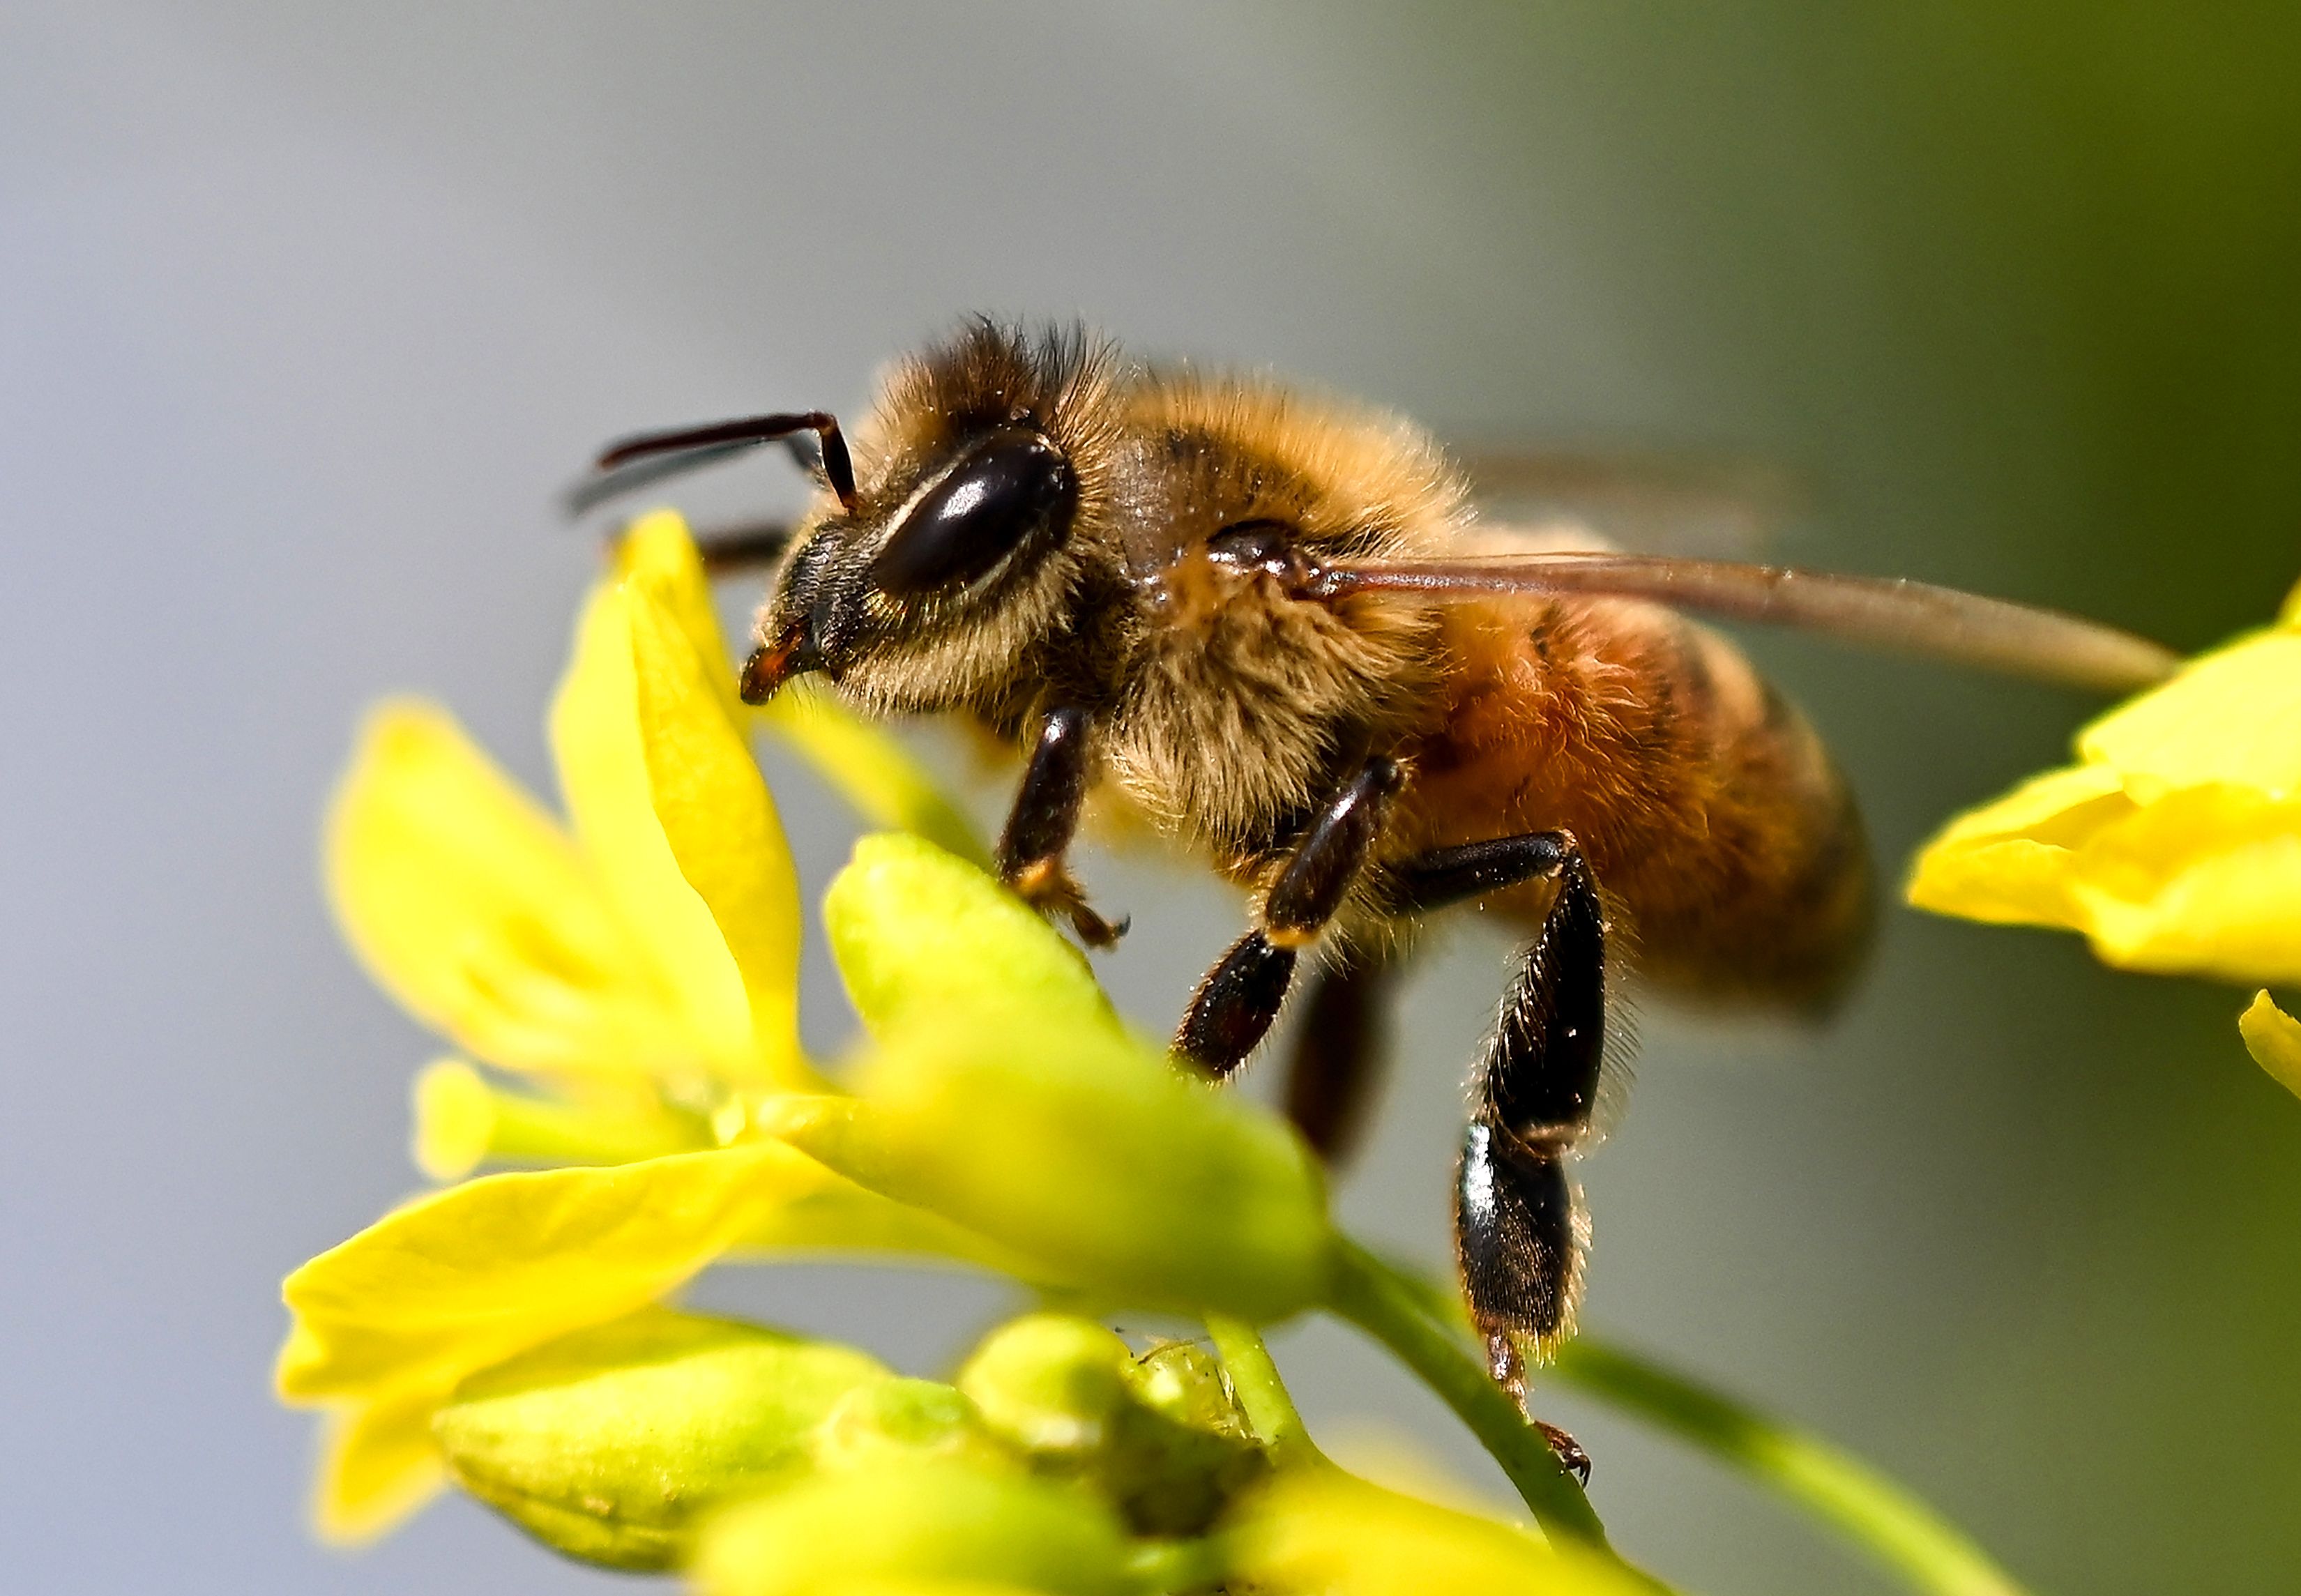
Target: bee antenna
{"type": "Point", "coordinates": [644, 457]}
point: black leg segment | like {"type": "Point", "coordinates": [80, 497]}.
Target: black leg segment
{"type": "Point", "coordinates": [1445, 876]}
{"type": "Point", "coordinates": [1045, 818]}
{"type": "Point", "coordinates": [1339, 1054]}
{"type": "Point", "coordinates": [742, 546]}
{"type": "Point", "coordinates": [1519, 1226]}
{"type": "Point", "coordinates": [1235, 1004]}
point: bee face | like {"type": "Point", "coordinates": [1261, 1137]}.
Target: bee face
{"type": "Point", "coordinates": [983, 458]}
{"type": "Point", "coordinates": [969, 534]}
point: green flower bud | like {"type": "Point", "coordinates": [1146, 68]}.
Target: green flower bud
{"type": "Point", "coordinates": [1160, 1437]}
{"type": "Point", "coordinates": [900, 1418]}
{"type": "Point", "coordinates": [917, 1520]}
{"type": "Point", "coordinates": [1051, 1384]}
{"type": "Point", "coordinates": [605, 1444]}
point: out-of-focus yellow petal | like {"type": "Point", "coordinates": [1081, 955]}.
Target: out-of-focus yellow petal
{"type": "Point", "coordinates": [2273, 1037]}
{"type": "Point", "coordinates": [1321, 1530]}
{"type": "Point", "coordinates": [2011, 862]}
{"type": "Point", "coordinates": [461, 1121]}
{"type": "Point", "coordinates": [378, 1465]}
{"type": "Point", "coordinates": [927, 1519]}
{"type": "Point", "coordinates": [720, 826]}
{"type": "Point", "coordinates": [871, 769]}
{"type": "Point", "coordinates": [602, 776]}
{"type": "Point", "coordinates": [2231, 717]}
{"type": "Point", "coordinates": [2206, 880]}
{"type": "Point", "coordinates": [920, 934]}
{"type": "Point", "coordinates": [468, 903]}
{"type": "Point", "coordinates": [389, 1322]}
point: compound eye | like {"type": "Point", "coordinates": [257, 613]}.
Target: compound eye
{"type": "Point", "coordinates": [978, 514]}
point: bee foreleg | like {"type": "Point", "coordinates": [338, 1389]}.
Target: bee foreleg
{"type": "Point", "coordinates": [1339, 1052]}
{"type": "Point", "coordinates": [1045, 818]}
{"type": "Point", "coordinates": [741, 546]}
{"type": "Point", "coordinates": [1519, 1229]}
{"type": "Point", "coordinates": [1235, 1004]}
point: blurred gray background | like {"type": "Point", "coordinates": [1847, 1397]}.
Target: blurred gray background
{"type": "Point", "coordinates": [305, 311]}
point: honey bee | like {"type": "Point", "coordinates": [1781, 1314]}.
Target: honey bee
{"type": "Point", "coordinates": [1275, 625]}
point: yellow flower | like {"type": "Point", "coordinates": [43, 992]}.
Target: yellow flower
{"type": "Point", "coordinates": [638, 963]}
{"type": "Point", "coordinates": [641, 967]}
{"type": "Point", "coordinates": [2174, 843]}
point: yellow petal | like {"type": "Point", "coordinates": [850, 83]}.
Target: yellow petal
{"type": "Point", "coordinates": [389, 1322]}
{"type": "Point", "coordinates": [2206, 882]}
{"type": "Point", "coordinates": [917, 932]}
{"type": "Point", "coordinates": [1321, 1530]}
{"type": "Point", "coordinates": [720, 824]}
{"type": "Point", "coordinates": [2012, 862]}
{"type": "Point", "coordinates": [872, 770]}
{"type": "Point", "coordinates": [603, 775]}
{"type": "Point", "coordinates": [2231, 717]}
{"type": "Point", "coordinates": [656, 554]}
{"type": "Point", "coordinates": [469, 905]}
{"type": "Point", "coordinates": [378, 1465]}
{"type": "Point", "coordinates": [2273, 1037]}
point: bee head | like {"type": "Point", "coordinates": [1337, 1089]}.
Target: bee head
{"type": "Point", "coordinates": [926, 585]}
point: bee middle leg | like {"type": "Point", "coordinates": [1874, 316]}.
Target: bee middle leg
{"type": "Point", "coordinates": [1234, 1005]}
{"type": "Point", "coordinates": [1340, 1052]}
{"type": "Point", "coordinates": [1033, 848]}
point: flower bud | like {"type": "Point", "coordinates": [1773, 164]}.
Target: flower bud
{"type": "Point", "coordinates": [915, 1521]}
{"type": "Point", "coordinates": [606, 1444]}
{"type": "Point", "coordinates": [1005, 1097]}
{"type": "Point", "coordinates": [900, 1418]}
{"type": "Point", "coordinates": [1159, 1438]}
{"type": "Point", "coordinates": [1051, 1384]}
{"type": "Point", "coordinates": [1183, 1449]}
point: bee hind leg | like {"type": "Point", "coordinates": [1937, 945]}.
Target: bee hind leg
{"type": "Point", "coordinates": [1519, 1228]}
{"type": "Point", "coordinates": [1236, 1002]}
{"type": "Point", "coordinates": [1340, 1052]}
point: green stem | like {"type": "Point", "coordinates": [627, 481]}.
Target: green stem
{"type": "Point", "coordinates": [1255, 1380]}
{"type": "Point", "coordinates": [1890, 1523]}
{"type": "Point", "coordinates": [1376, 1299]}
{"type": "Point", "coordinates": [1873, 1512]}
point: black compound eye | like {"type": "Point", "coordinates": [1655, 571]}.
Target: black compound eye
{"type": "Point", "coordinates": [1001, 492]}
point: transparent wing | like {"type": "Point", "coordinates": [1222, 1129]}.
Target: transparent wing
{"type": "Point", "coordinates": [1909, 616]}
{"type": "Point", "coordinates": [1655, 501]}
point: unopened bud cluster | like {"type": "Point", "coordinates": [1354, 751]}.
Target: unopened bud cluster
{"type": "Point", "coordinates": [773, 1463]}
